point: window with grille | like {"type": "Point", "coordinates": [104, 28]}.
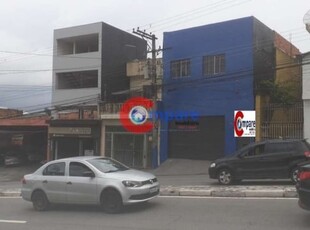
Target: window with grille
{"type": "Point", "coordinates": [180, 68]}
{"type": "Point", "coordinates": [213, 64]}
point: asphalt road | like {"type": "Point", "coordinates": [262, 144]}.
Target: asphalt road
{"type": "Point", "coordinates": [161, 213]}
{"type": "Point", "coordinates": [172, 172]}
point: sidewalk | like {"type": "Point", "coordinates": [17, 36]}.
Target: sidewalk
{"type": "Point", "coordinates": [179, 177]}
{"type": "Point", "coordinates": [205, 191]}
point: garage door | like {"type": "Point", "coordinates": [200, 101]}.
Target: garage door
{"type": "Point", "coordinates": [203, 139]}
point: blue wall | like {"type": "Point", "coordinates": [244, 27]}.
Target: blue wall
{"type": "Point", "coordinates": [209, 96]}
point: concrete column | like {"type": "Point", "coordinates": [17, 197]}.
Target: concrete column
{"type": "Point", "coordinates": [102, 140]}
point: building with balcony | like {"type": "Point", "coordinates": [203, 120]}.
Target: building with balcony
{"type": "Point", "coordinates": [130, 148]}
{"type": "Point", "coordinates": [89, 68]}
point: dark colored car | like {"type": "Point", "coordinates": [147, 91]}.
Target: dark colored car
{"type": "Point", "coordinates": [15, 158]}
{"type": "Point", "coordinates": [303, 186]}
{"type": "Point", "coordinates": [272, 159]}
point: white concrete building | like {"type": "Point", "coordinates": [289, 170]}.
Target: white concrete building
{"type": "Point", "coordinates": [306, 92]}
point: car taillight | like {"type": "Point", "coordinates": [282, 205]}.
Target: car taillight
{"type": "Point", "coordinates": [23, 180]}
{"type": "Point", "coordinates": [307, 154]}
{"type": "Point", "coordinates": [304, 175]}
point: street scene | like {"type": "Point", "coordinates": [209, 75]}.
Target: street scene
{"type": "Point", "coordinates": [154, 115]}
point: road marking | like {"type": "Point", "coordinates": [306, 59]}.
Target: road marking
{"type": "Point", "coordinates": [231, 198]}
{"type": "Point", "coordinates": [13, 221]}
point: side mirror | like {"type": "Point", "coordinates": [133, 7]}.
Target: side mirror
{"type": "Point", "coordinates": [88, 174]}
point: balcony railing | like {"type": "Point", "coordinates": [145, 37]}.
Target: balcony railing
{"type": "Point", "coordinates": [110, 110]}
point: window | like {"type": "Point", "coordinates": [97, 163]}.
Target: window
{"type": "Point", "coordinates": [280, 147]}
{"type": "Point", "coordinates": [213, 64]}
{"type": "Point", "coordinates": [107, 165]}
{"type": "Point", "coordinates": [255, 151]}
{"type": "Point", "coordinates": [77, 80]}
{"type": "Point", "coordinates": [79, 44]}
{"type": "Point", "coordinates": [180, 68]}
{"type": "Point", "coordinates": [57, 169]}
{"type": "Point", "coordinates": [78, 169]}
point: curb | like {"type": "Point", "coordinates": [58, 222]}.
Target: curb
{"type": "Point", "coordinates": [231, 191]}
{"type": "Point", "coordinates": [10, 193]}
{"type": "Point", "coordinates": [208, 191]}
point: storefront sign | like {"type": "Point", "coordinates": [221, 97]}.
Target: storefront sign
{"type": "Point", "coordinates": [17, 139]}
{"type": "Point", "coordinates": [69, 131]}
{"type": "Point", "coordinates": [244, 124]}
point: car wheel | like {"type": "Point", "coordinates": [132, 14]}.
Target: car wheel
{"type": "Point", "coordinates": [225, 177]}
{"type": "Point", "coordinates": [40, 201]}
{"type": "Point", "coordinates": [111, 201]}
{"type": "Point", "coordinates": [294, 175]}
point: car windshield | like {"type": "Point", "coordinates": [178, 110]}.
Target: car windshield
{"type": "Point", "coordinates": [107, 165]}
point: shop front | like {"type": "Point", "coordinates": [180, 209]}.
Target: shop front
{"type": "Point", "coordinates": [69, 138]}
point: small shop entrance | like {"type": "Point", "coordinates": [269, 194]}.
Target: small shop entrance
{"type": "Point", "coordinates": [126, 147]}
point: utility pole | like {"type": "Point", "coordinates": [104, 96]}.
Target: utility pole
{"type": "Point", "coordinates": [153, 74]}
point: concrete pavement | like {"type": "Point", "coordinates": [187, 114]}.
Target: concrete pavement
{"type": "Point", "coordinates": [179, 177]}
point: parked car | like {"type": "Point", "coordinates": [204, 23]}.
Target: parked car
{"type": "Point", "coordinates": [272, 159]}
{"type": "Point", "coordinates": [303, 186]}
{"type": "Point", "coordinates": [88, 180]}
{"type": "Point", "coordinates": [35, 157]}
{"type": "Point", "coordinates": [15, 157]}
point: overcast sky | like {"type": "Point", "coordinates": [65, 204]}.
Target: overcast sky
{"type": "Point", "coordinates": [26, 31]}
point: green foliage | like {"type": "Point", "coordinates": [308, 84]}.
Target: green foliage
{"type": "Point", "coordinates": [282, 94]}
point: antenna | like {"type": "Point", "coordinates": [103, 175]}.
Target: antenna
{"type": "Point", "coordinates": [307, 21]}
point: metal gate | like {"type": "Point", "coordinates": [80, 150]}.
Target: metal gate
{"type": "Point", "coordinates": [283, 121]}
{"type": "Point", "coordinates": [126, 148]}
{"type": "Point", "coordinates": [204, 140]}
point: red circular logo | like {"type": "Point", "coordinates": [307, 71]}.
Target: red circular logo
{"type": "Point", "coordinates": [134, 115]}
{"type": "Point", "coordinates": [237, 123]}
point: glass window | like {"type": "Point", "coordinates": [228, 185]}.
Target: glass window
{"type": "Point", "coordinates": [280, 147]}
{"type": "Point", "coordinates": [213, 64]}
{"type": "Point", "coordinates": [255, 151]}
{"type": "Point", "coordinates": [107, 165]}
{"type": "Point", "coordinates": [57, 169]}
{"type": "Point", "coordinates": [180, 68]}
{"type": "Point", "coordinates": [78, 169]}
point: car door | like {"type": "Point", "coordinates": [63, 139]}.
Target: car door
{"type": "Point", "coordinates": [279, 159]}
{"type": "Point", "coordinates": [250, 164]}
{"type": "Point", "coordinates": [81, 188]}
{"type": "Point", "coordinates": [53, 182]}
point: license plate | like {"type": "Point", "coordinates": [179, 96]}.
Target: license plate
{"type": "Point", "coordinates": [153, 189]}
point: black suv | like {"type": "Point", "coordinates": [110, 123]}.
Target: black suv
{"type": "Point", "coordinates": [272, 159]}
{"type": "Point", "coordinates": [303, 186]}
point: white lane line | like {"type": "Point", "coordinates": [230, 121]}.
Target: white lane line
{"type": "Point", "coordinates": [13, 221]}
{"type": "Point", "coordinates": [231, 198]}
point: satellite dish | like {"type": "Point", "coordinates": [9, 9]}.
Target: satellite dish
{"type": "Point", "coordinates": [307, 20]}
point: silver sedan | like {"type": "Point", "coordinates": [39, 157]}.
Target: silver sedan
{"type": "Point", "coordinates": [88, 180]}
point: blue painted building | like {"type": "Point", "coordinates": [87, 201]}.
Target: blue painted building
{"type": "Point", "coordinates": [211, 71]}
